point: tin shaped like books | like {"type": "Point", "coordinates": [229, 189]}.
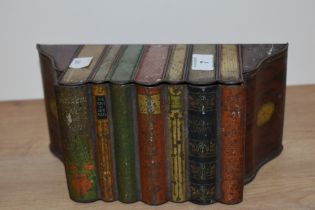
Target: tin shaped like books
{"type": "Point", "coordinates": [158, 123]}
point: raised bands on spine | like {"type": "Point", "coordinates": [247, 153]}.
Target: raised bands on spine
{"type": "Point", "coordinates": [202, 126]}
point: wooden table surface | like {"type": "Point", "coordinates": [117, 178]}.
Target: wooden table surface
{"type": "Point", "coordinates": [32, 178]}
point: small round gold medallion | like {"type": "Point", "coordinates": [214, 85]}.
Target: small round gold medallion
{"type": "Point", "coordinates": [265, 112]}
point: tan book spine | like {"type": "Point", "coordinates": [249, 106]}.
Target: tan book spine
{"type": "Point", "coordinates": [103, 144]}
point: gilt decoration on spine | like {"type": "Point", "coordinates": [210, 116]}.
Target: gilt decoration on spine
{"type": "Point", "coordinates": [158, 123]}
{"type": "Point", "coordinates": [202, 128]}
{"type": "Point", "coordinates": [177, 142]}
{"type": "Point", "coordinates": [176, 124]}
{"type": "Point", "coordinates": [103, 143]}
{"type": "Point", "coordinates": [79, 158]}
{"type": "Point", "coordinates": [151, 124]}
{"type": "Point", "coordinates": [151, 144]}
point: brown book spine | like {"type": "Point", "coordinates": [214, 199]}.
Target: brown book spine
{"type": "Point", "coordinates": [151, 145]}
{"type": "Point", "coordinates": [232, 143]}
{"type": "Point", "coordinates": [103, 142]}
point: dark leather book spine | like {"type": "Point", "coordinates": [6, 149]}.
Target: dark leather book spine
{"type": "Point", "coordinates": [125, 142]}
{"type": "Point", "coordinates": [176, 138]}
{"type": "Point", "coordinates": [202, 139]}
{"type": "Point", "coordinates": [151, 145]}
{"type": "Point", "coordinates": [73, 105]}
{"type": "Point", "coordinates": [232, 147]}
{"type": "Point", "coordinates": [103, 141]}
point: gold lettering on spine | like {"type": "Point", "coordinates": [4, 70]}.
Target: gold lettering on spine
{"type": "Point", "coordinates": [103, 149]}
{"type": "Point", "coordinates": [229, 62]}
{"type": "Point", "coordinates": [149, 104]}
{"type": "Point", "coordinates": [177, 144]}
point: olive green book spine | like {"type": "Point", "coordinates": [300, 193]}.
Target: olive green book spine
{"type": "Point", "coordinates": [125, 143]}
{"type": "Point", "coordinates": [76, 130]}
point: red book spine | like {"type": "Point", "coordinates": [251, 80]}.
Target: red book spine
{"type": "Point", "coordinates": [232, 143]}
{"type": "Point", "coordinates": [151, 145]}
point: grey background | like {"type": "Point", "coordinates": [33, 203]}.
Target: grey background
{"type": "Point", "coordinates": [25, 23]}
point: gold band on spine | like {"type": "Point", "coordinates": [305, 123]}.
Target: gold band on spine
{"type": "Point", "coordinates": [149, 104]}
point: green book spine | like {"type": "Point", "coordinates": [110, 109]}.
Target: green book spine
{"type": "Point", "coordinates": [125, 153]}
{"type": "Point", "coordinates": [73, 109]}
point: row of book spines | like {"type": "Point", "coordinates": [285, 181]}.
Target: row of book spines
{"type": "Point", "coordinates": [153, 64]}
{"type": "Point", "coordinates": [151, 139]}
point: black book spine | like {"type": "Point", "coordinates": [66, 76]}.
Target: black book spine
{"type": "Point", "coordinates": [202, 135]}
